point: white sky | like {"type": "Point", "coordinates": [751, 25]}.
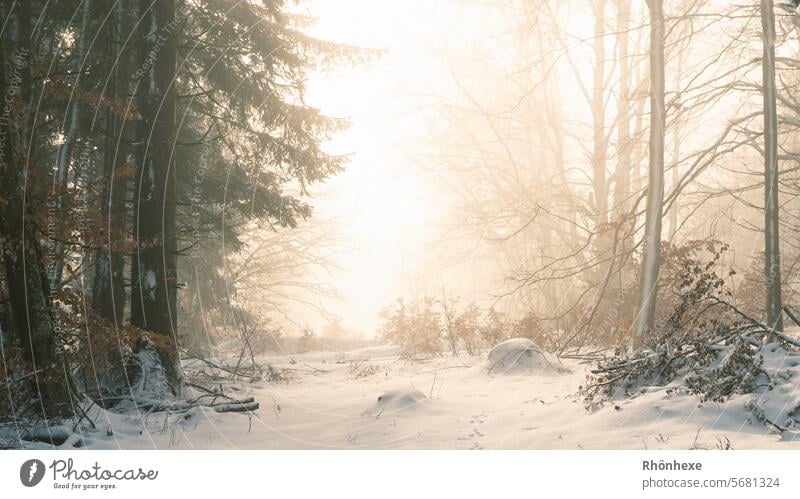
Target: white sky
{"type": "Point", "coordinates": [379, 200]}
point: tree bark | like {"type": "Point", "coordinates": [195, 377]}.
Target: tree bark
{"type": "Point", "coordinates": [153, 275]}
{"type": "Point", "coordinates": [772, 252]}
{"type": "Point", "coordinates": [23, 260]}
{"type": "Point", "coordinates": [651, 260]}
{"type": "Point", "coordinates": [108, 288]}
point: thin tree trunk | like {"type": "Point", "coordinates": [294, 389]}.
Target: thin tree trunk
{"type": "Point", "coordinates": [153, 275]}
{"type": "Point", "coordinates": [622, 187]}
{"type": "Point", "coordinates": [638, 131]}
{"type": "Point", "coordinates": [772, 252]}
{"type": "Point", "coordinates": [599, 152]}
{"type": "Point", "coordinates": [676, 147]}
{"type": "Point", "coordinates": [651, 261]}
{"type": "Point", "coordinates": [73, 118]}
{"type": "Point", "coordinates": [622, 175]}
{"type": "Point", "coordinates": [641, 87]}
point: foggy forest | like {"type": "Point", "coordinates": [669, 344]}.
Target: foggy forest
{"type": "Point", "coordinates": [428, 224]}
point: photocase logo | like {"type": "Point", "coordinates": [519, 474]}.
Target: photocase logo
{"type": "Point", "coordinates": [31, 472]}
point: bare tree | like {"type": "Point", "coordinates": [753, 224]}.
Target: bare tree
{"type": "Point", "coordinates": [648, 286]}
{"type": "Point", "coordinates": [772, 252]}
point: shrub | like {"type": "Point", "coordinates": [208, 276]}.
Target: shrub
{"type": "Point", "coordinates": [461, 326]}
{"type": "Point", "coordinates": [466, 328]}
{"type": "Point", "coordinates": [309, 342]}
{"type": "Point", "coordinates": [266, 340]}
{"type": "Point", "coordinates": [493, 328]}
{"type": "Point", "coordinates": [415, 328]}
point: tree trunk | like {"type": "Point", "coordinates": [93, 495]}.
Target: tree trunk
{"type": "Point", "coordinates": [153, 275]}
{"type": "Point", "coordinates": [622, 185]}
{"type": "Point", "coordinates": [651, 260]}
{"type": "Point", "coordinates": [599, 146]}
{"type": "Point", "coordinates": [108, 289]}
{"type": "Point", "coordinates": [599, 142]}
{"type": "Point", "coordinates": [772, 252]}
{"type": "Point", "coordinates": [677, 129]}
{"type": "Point", "coordinates": [71, 132]}
{"type": "Point", "coordinates": [23, 260]}
{"type": "Point", "coordinates": [622, 176]}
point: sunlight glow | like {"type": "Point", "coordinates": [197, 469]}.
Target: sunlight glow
{"type": "Point", "coordinates": [387, 204]}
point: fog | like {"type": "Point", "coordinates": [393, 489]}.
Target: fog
{"type": "Point", "coordinates": [474, 127]}
{"type": "Point", "coordinates": [575, 211]}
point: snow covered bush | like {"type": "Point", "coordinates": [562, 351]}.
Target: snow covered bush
{"type": "Point", "coordinates": [723, 359]}
{"type": "Point", "coordinates": [518, 355]}
{"type": "Point", "coordinates": [705, 346]}
{"type": "Point", "coordinates": [393, 401]}
{"type": "Point", "coordinates": [735, 369]}
{"type": "Point", "coordinates": [696, 333]}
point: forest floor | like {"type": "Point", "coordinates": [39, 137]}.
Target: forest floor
{"type": "Point", "coordinates": [331, 402]}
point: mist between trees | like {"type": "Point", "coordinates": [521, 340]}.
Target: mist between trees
{"type": "Point", "coordinates": [608, 149]}
{"type": "Point", "coordinates": [609, 176]}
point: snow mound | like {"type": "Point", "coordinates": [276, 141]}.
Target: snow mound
{"type": "Point", "coordinates": [397, 400]}
{"type": "Point", "coordinates": [518, 355]}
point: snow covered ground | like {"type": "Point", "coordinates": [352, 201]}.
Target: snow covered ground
{"type": "Point", "coordinates": [332, 402]}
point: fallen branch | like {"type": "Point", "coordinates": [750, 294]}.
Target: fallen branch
{"type": "Point", "coordinates": [767, 329]}
{"type": "Point", "coordinates": [243, 407]}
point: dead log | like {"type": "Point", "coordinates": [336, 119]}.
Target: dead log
{"type": "Point", "coordinates": [244, 407]}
